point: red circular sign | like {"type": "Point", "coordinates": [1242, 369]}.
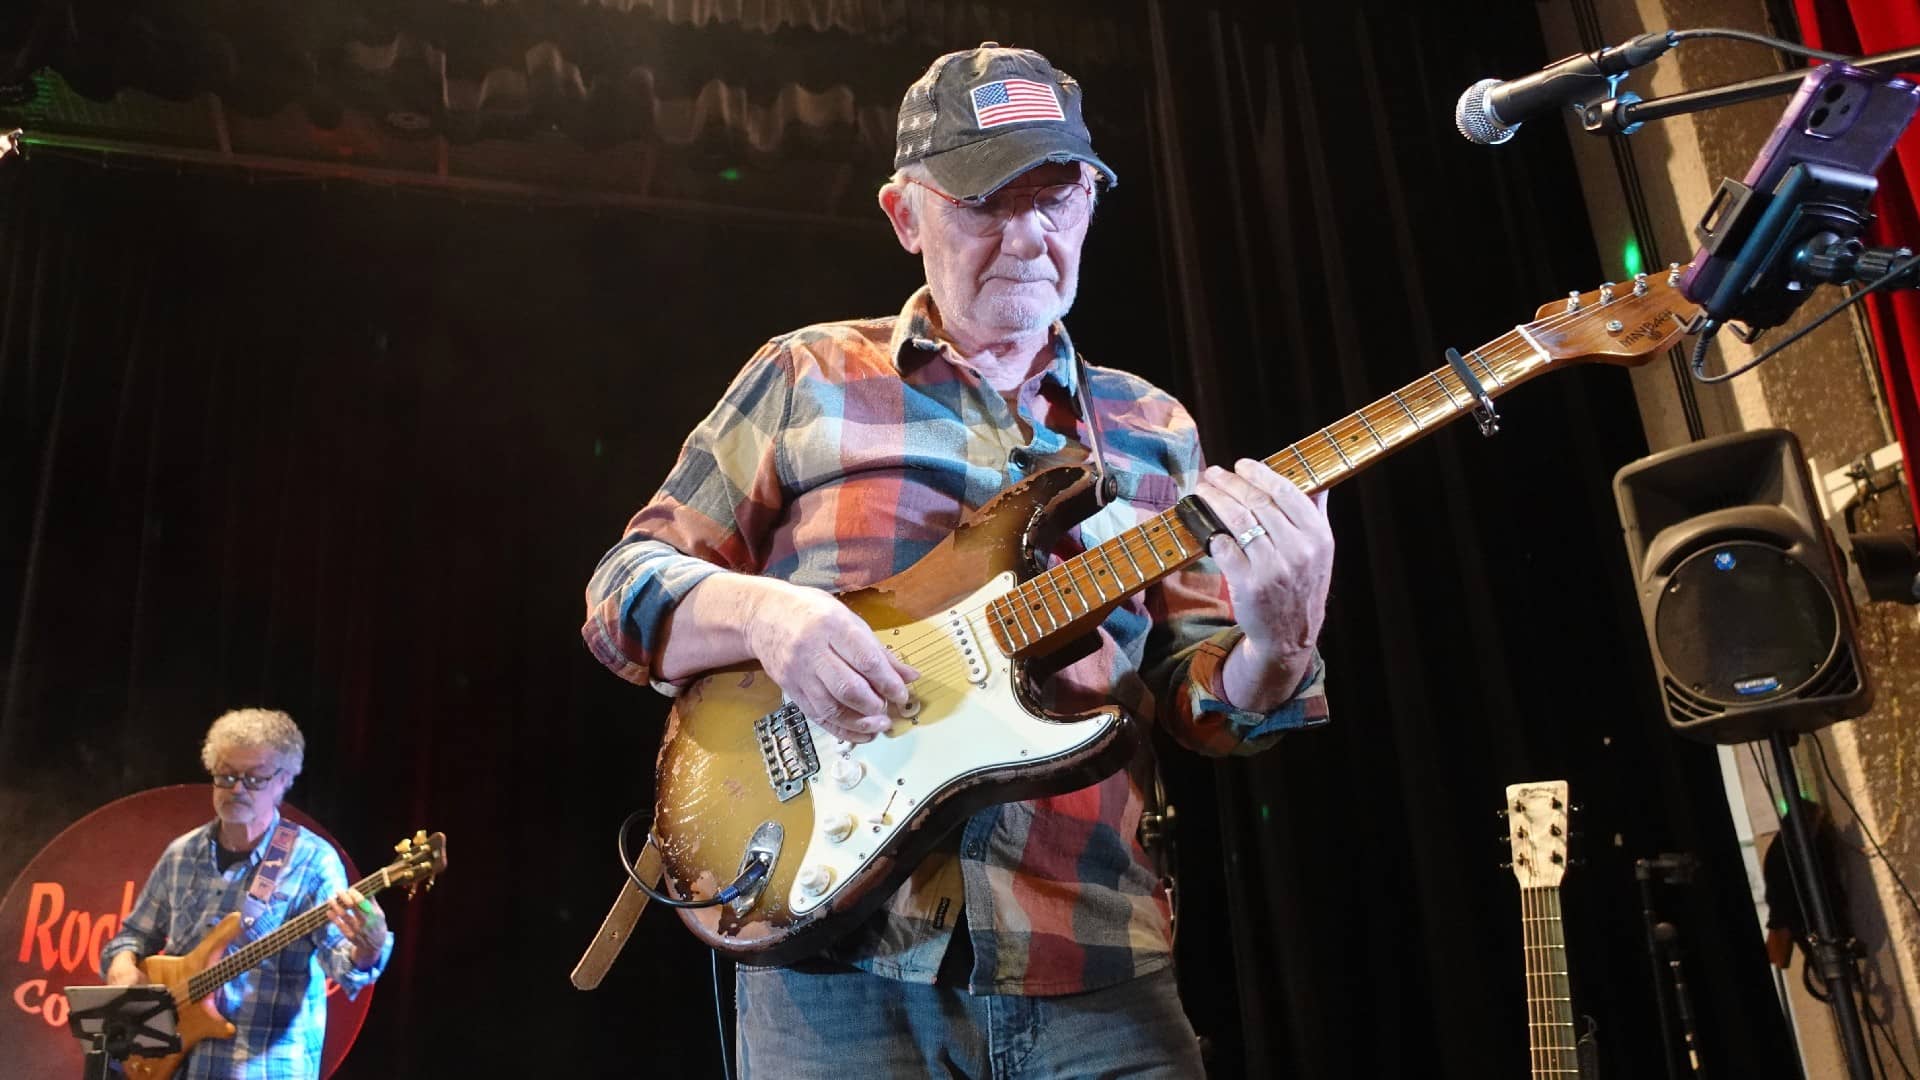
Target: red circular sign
{"type": "Point", "coordinates": [70, 899]}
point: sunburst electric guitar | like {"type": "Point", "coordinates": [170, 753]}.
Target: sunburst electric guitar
{"type": "Point", "coordinates": [192, 978]}
{"type": "Point", "coordinates": [813, 834]}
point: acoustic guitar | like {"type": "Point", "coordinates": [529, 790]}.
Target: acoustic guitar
{"type": "Point", "coordinates": [1537, 834]}
{"type": "Point", "coordinates": [192, 978]}
{"type": "Point", "coordinates": [791, 837]}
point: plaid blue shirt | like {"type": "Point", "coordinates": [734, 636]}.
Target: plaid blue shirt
{"type": "Point", "coordinates": [840, 455]}
{"type": "Point", "coordinates": [279, 1007]}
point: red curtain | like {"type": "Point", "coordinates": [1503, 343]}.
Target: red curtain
{"type": "Point", "coordinates": [1874, 26]}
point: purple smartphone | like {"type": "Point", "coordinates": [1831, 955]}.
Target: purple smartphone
{"type": "Point", "coordinates": [1841, 118]}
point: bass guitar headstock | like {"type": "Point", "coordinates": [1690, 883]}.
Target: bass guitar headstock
{"type": "Point", "coordinates": [423, 857]}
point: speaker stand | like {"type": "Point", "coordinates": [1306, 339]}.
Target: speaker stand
{"type": "Point", "coordinates": [1831, 956]}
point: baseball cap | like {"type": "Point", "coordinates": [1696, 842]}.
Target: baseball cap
{"type": "Point", "coordinates": [981, 117]}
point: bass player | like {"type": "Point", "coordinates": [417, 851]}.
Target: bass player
{"type": "Point", "coordinates": [252, 860]}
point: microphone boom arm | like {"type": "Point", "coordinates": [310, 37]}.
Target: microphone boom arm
{"type": "Point", "coordinates": [1624, 115]}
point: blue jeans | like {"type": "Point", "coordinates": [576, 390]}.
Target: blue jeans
{"type": "Point", "coordinates": [849, 1025]}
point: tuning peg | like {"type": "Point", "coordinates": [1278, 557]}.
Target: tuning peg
{"type": "Point", "coordinates": [1501, 813]}
{"type": "Point", "coordinates": [1506, 865]}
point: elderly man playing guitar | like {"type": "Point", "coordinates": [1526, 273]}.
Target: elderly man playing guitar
{"type": "Point", "coordinates": [852, 479]}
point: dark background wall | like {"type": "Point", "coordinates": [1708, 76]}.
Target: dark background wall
{"type": "Point", "coordinates": [352, 452]}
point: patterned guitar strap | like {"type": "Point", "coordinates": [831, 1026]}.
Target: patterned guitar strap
{"type": "Point", "coordinates": [266, 878]}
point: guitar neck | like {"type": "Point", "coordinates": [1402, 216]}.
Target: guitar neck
{"type": "Point", "coordinates": [1551, 1040]}
{"type": "Point", "coordinates": [1055, 604]}
{"type": "Point", "coordinates": [256, 952]}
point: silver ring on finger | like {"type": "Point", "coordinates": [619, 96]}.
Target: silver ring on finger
{"type": "Point", "coordinates": [1253, 533]}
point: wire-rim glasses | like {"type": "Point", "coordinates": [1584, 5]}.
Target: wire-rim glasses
{"type": "Point", "coordinates": [1059, 206]}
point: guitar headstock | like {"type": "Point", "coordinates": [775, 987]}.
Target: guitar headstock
{"type": "Point", "coordinates": [422, 857]}
{"type": "Point", "coordinates": [1537, 831]}
{"type": "Point", "coordinates": [1621, 323]}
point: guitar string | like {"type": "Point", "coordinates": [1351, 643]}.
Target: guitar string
{"type": "Point", "coordinates": [243, 959]}
{"type": "Point", "coordinates": [1130, 544]}
{"type": "Point", "coordinates": [1562, 986]}
{"type": "Point", "coordinates": [1530, 939]}
{"type": "Point", "coordinates": [1079, 579]}
{"type": "Point", "coordinates": [1417, 398]}
{"type": "Point", "coordinates": [1497, 357]}
{"type": "Point", "coordinates": [1548, 1009]}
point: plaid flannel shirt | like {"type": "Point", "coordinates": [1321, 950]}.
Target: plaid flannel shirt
{"type": "Point", "coordinates": [840, 455]}
{"type": "Point", "coordinates": [279, 1007]}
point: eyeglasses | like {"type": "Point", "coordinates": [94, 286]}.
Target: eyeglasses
{"type": "Point", "coordinates": [253, 783]}
{"type": "Point", "coordinates": [1059, 206]}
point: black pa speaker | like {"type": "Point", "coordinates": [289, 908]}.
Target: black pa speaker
{"type": "Point", "coordinates": [1741, 590]}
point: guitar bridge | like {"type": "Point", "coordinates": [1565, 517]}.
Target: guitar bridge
{"type": "Point", "coordinates": [787, 748]}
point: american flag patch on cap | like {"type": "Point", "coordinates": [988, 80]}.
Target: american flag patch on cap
{"type": "Point", "coordinates": [1013, 101]}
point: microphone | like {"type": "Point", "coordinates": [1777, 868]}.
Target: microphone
{"type": "Point", "coordinates": [1491, 110]}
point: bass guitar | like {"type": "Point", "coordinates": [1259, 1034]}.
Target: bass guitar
{"type": "Point", "coordinates": [788, 837]}
{"type": "Point", "coordinates": [192, 978]}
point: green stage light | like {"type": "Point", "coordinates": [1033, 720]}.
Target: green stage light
{"type": "Point", "coordinates": [1630, 257]}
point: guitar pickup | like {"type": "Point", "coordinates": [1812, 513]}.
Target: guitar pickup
{"type": "Point", "coordinates": [974, 657]}
{"type": "Point", "coordinates": [786, 746]}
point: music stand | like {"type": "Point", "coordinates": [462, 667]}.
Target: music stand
{"type": "Point", "coordinates": [121, 1021]}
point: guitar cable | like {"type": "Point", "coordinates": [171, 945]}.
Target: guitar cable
{"type": "Point", "coordinates": [755, 869]}
{"type": "Point", "coordinates": [1708, 327]}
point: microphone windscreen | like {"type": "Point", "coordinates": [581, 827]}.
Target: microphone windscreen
{"type": "Point", "coordinates": [1475, 121]}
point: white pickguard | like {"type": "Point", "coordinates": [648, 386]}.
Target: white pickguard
{"type": "Point", "coordinates": [968, 720]}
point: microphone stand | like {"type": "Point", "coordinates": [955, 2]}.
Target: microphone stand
{"type": "Point", "coordinates": [1826, 952]}
{"type": "Point", "coordinates": [1662, 938]}
{"type": "Point", "coordinates": [1669, 935]}
{"type": "Point", "coordinates": [1643, 874]}
{"type": "Point", "coordinates": [1623, 114]}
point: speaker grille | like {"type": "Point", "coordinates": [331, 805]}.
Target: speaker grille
{"type": "Point", "coordinates": [1687, 707]}
{"type": "Point", "coordinates": [1743, 623]}
{"type": "Point", "coordinates": [1839, 680]}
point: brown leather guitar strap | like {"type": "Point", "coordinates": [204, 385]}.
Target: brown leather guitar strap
{"type": "Point", "coordinates": [618, 926]}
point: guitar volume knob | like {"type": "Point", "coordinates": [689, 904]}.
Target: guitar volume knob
{"type": "Point", "coordinates": [838, 827]}
{"type": "Point", "coordinates": [846, 772]}
{"type": "Point", "coordinates": [814, 879]}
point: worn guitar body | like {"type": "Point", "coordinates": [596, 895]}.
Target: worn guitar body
{"type": "Point", "coordinates": [197, 1020]}
{"type": "Point", "coordinates": [854, 829]}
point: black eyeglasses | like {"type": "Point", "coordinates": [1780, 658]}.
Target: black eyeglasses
{"type": "Point", "coordinates": [254, 783]}
{"type": "Point", "coordinates": [1060, 206]}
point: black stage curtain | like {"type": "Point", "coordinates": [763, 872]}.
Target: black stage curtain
{"type": "Point", "coordinates": [353, 453]}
